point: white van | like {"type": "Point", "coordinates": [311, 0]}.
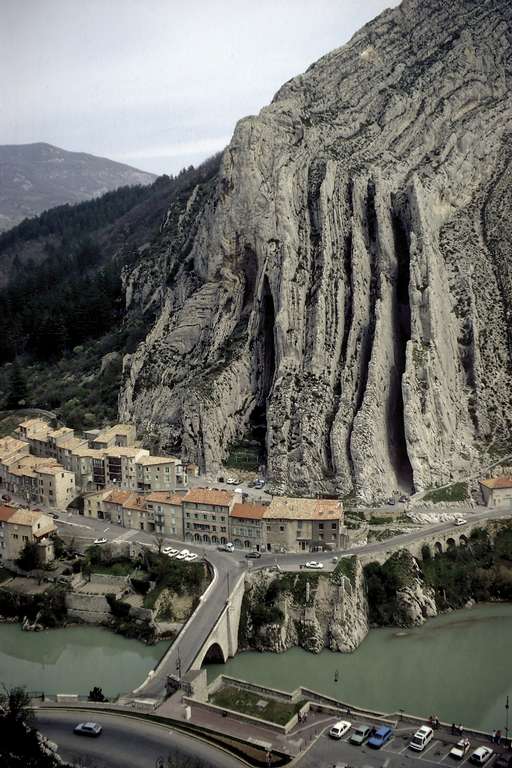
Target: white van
{"type": "Point", "coordinates": [421, 738]}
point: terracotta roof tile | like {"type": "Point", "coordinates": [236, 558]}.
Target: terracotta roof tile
{"type": "Point", "coordinates": [218, 498]}
{"type": "Point", "coordinates": [248, 511]}
{"type": "Point", "coordinates": [287, 508]}
{"type": "Point", "coordinates": [497, 482]}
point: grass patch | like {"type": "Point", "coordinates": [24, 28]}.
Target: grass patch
{"type": "Point", "coordinates": [243, 456]}
{"type": "Point", "coordinates": [380, 520]}
{"type": "Point", "coordinates": [246, 702]}
{"type": "Point", "coordinates": [455, 492]}
{"type": "Point", "coordinates": [119, 568]}
{"type": "Point", "coordinates": [346, 567]}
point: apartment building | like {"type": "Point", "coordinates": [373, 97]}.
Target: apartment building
{"type": "Point", "coordinates": [160, 473]}
{"type": "Point", "coordinates": [247, 527]}
{"type": "Point", "coordinates": [56, 486]}
{"type": "Point", "coordinates": [19, 526]}
{"type": "Point", "coordinates": [137, 515]}
{"type": "Point", "coordinates": [112, 505]}
{"type": "Point", "coordinates": [120, 436]}
{"type": "Point", "coordinates": [11, 450]}
{"type": "Point", "coordinates": [299, 525]}
{"type": "Point", "coordinates": [121, 466]}
{"type": "Point", "coordinates": [168, 513]}
{"type": "Point", "coordinates": [206, 515]}
{"type": "Point", "coordinates": [93, 504]}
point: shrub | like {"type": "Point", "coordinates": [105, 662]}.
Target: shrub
{"type": "Point", "coordinates": [119, 608]}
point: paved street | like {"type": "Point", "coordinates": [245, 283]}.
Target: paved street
{"type": "Point", "coordinates": [125, 742]}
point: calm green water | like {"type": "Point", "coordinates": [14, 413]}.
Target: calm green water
{"type": "Point", "coordinates": [458, 666]}
{"type": "Point", "coordinates": [74, 660]}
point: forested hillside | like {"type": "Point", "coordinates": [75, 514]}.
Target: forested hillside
{"type": "Point", "coordinates": [62, 307]}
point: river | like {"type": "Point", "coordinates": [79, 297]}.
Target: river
{"type": "Point", "coordinates": [457, 666]}
{"type": "Point", "coordinates": [74, 660]}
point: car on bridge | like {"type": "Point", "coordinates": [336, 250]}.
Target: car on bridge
{"type": "Point", "coordinates": [253, 555]}
{"type": "Point", "coordinates": [460, 521]}
{"type": "Point", "coordinates": [100, 541]}
{"type": "Point", "coordinates": [88, 729]}
{"type": "Point", "coordinates": [314, 564]}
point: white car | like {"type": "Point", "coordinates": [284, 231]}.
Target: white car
{"type": "Point", "coordinates": [460, 521]}
{"type": "Point", "coordinates": [191, 557]}
{"type": "Point", "coordinates": [232, 480]}
{"type": "Point", "coordinates": [481, 755]}
{"type": "Point", "coordinates": [100, 541]}
{"type": "Point", "coordinates": [339, 729]}
{"type": "Point", "coordinates": [170, 552]}
{"type": "Point", "coordinates": [88, 729]}
{"type": "Point", "coordinates": [183, 554]}
{"type": "Point", "coordinates": [460, 749]}
{"type": "Point", "coordinates": [314, 564]}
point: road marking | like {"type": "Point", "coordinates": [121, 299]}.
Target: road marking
{"type": "Point", "coordinates": [434, 743]}
{"type": "Point", "coordinates": [75, 525]}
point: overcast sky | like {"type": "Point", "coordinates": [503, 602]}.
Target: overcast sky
{"type": "Point", "coordinates": [158, 84]}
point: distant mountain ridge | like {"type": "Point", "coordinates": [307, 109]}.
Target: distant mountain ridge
{"type": "Point", "coordinates": [35, 177]}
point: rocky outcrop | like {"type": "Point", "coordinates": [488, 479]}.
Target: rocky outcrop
{"type": "Point", "coordinates": [415, 600]}
{"type": "Point", "coordinates": [342, 290]}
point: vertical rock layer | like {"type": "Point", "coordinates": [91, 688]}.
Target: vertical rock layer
{"type": "Point", "coordinates": [345, 285]}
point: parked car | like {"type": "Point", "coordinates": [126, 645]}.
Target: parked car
{"type": "Point", "coordinates": [170, 551]}
{"type": "Point", "coordinates": [253, 555]}
{"type": "Point", "coordinates": [481, 755]}
{"type": "Point", "coordinates": [6, 497]}
{"type": "Point", "coordinates": [88, 729]}
{"type": "Point", "coordinates": [361, 734]}
{"type": "Point", "coordinates": [54, 515]}
{"type": "Point", "coordinates": [339, 729]}
{"type": "Point", "coordinates": [421, 738]}
{"type": "Point", "coordinates": [259, 483]}
{"type": "Point", "coordinates": [183, 554]}
{"type": "Point", "coordinates": [191, 557]}
{"type": "Point", "coordinates": [503, 761]}
{"type": "Point", "coordinates": [381, 736]}
{"type": "Point", "coordinates": [460, 749]}
{"type": "Point", "coordinates": [314, 564]}
{"type": "Point", "coordinates": [391, 501]}
{"type": "Point", "coordinates": [100, 541]}
{"type": "Point", "coordinates": [460, 521]}
{"type": "Point", "coordinates": [403, 498]}
{"type": "Point", "coordinates": [229, 547]}
{"type": "Point", "coordinates": [232, 480]}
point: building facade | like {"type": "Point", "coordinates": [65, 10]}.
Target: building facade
{"type": "Point", "coordinates": [206, 515]}
{"type": "Point", "coordinates": [303, 525]}
{"type": "Point", "coordinates": [497, 491]}
{"type": "Point", "coordinates": [247, 527]}
{"type": "Point", "coordinates": [21, 526]}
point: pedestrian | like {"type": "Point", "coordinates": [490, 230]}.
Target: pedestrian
{"type": "Point", "coordinates": [498, 737]}
{"type": "Point", "coordinates": [493, 736]}
{"type": "Point", "coordinates": [460, 729]}
{"type": "Point", "coordinates": [453, 728]}
{"type": "Point", "coordinates": [436, 722]}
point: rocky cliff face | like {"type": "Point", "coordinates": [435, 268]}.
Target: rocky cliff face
{"type": "Point", "coordinates": [343, 290]}
{"type": "Point", "coordinates": [316, 612]}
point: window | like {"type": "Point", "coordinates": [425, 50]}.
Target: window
{"type": "Point", "coordinates": [333, 526]}
{"type": "Point", "coordinates": [320, 525]}
{"type": "Point", "coordinates": [281, 528]}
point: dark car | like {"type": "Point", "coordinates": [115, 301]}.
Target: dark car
{"type": "Point", "coordinates": [361, 734]}
{"type": "Point", "coordinates": [88, 729]}
{"type": "Point", "coordinates": [381, 736]}
{"type": "Point", "coordinates": [55, 515]}
{"type": "Point", "coordinates": [391, 501]}
{"type": "Point", "coordinates": [503, 761]}
{"type": "Point", "coordinates": [253, 555]}
{"type": "Point", "coordinates": [403, 499]}
{"type": "Point", "coordinates": [6, 497]}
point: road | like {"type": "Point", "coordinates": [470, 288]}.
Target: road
{"type": "Point", "coordinates": [126, 742]}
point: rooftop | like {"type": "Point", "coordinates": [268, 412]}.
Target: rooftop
{"type": "Point", "coordinates": [55, 433]}
{"type": "Point", "coordinates": [218, 498]}
{"type": "Point", "coordinates": [497, 482]}
{"type": "Point", "coordinates": [54, 469]}
{"type": "Point", "coordinates": [35, 422]}
{"type": "Point", "coordinates": [10, 446]}
{"type": "Point", "coordinates": [6, 513]}
{"type": "Point", "coordinates": [164, 497]}
{"type": "Point", "coordinates": [248, 511]}
{"type": "Point", "coordinates": [287, 508]}
{"type": "Point", "coordinates": [91, 453]}
{"type": "Point", "coordinates": [118, 497]}
{"type": "Point", "coordinates": [117, 450]}
{"type": "Point", "coordinates": [28, 517]}
{"type": "Point", "coordinates": [146, 460]}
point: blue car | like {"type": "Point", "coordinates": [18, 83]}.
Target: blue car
{"type": "Point", "coordinates": [380, 737]}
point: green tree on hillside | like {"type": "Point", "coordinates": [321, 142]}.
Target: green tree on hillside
{"type": "Point", "coordinates": [18, 390]}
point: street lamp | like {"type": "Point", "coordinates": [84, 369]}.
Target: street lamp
{"type": "Point", "coordinates": [506, 719]}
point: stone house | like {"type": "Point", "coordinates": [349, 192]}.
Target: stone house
{"type": "Point", "coordinates": [56, 486]}
{"type": "Point", "coordinates": [11, 449]}
{"type": "Point", "coordinates": [206, 515]}
{"type": "Point", "coordinates": [168, 513]}
{"type": "Point", "coordinates": [120, 435]}
{"type": "Point", "coordinates": [301, 525]}
{"type": "Point", "coordinates": [160, 473]}
{"type": "Point", "coordinates": [497, 491]}
{"type": "Point", "coordinates": [94, 504]}
{"type": "Point", "coordinates": [247, 527]}
{"type": "Point", "coordinates": [19, 526]}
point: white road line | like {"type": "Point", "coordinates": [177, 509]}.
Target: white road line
{"type": "Point", "coordinates": [75, 525]}
{"type": "Point", "coordinates": [434, 743]}
{"type": "Point", "coordinates": [401, 751]}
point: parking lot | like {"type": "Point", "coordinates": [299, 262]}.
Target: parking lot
{"type": "Point", "coordinates": [327, 752]}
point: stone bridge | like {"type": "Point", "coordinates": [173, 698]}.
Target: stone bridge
{"type": "Point", "coordinates": [222, 642]}
{"type": "Point", "coordinates": [438, 541]}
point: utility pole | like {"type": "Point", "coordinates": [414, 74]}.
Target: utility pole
{"type": "Point", "coordinates": [506, 720]}
{"type": "Point", "coordinates": [178, 665]}
{"type": "Point", "coordinates": [227, 581]}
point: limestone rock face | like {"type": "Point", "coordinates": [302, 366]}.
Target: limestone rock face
{"type": "Point", "coordinates": [344, 288]}
{"type": "Point", "coordinates": [416, 601]}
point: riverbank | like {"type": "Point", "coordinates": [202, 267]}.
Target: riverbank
{"type": "Point", "coordinates": [453, 666]}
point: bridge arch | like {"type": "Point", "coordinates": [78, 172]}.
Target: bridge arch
{"type": "Point", "coordinates": [463, 540]}
{"type": "Point", "coordinates": [438, 547]}
{"type": "Point", "coordinates": [450, 543]}
{"type": "Point", "coordinates": [214, 655]}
